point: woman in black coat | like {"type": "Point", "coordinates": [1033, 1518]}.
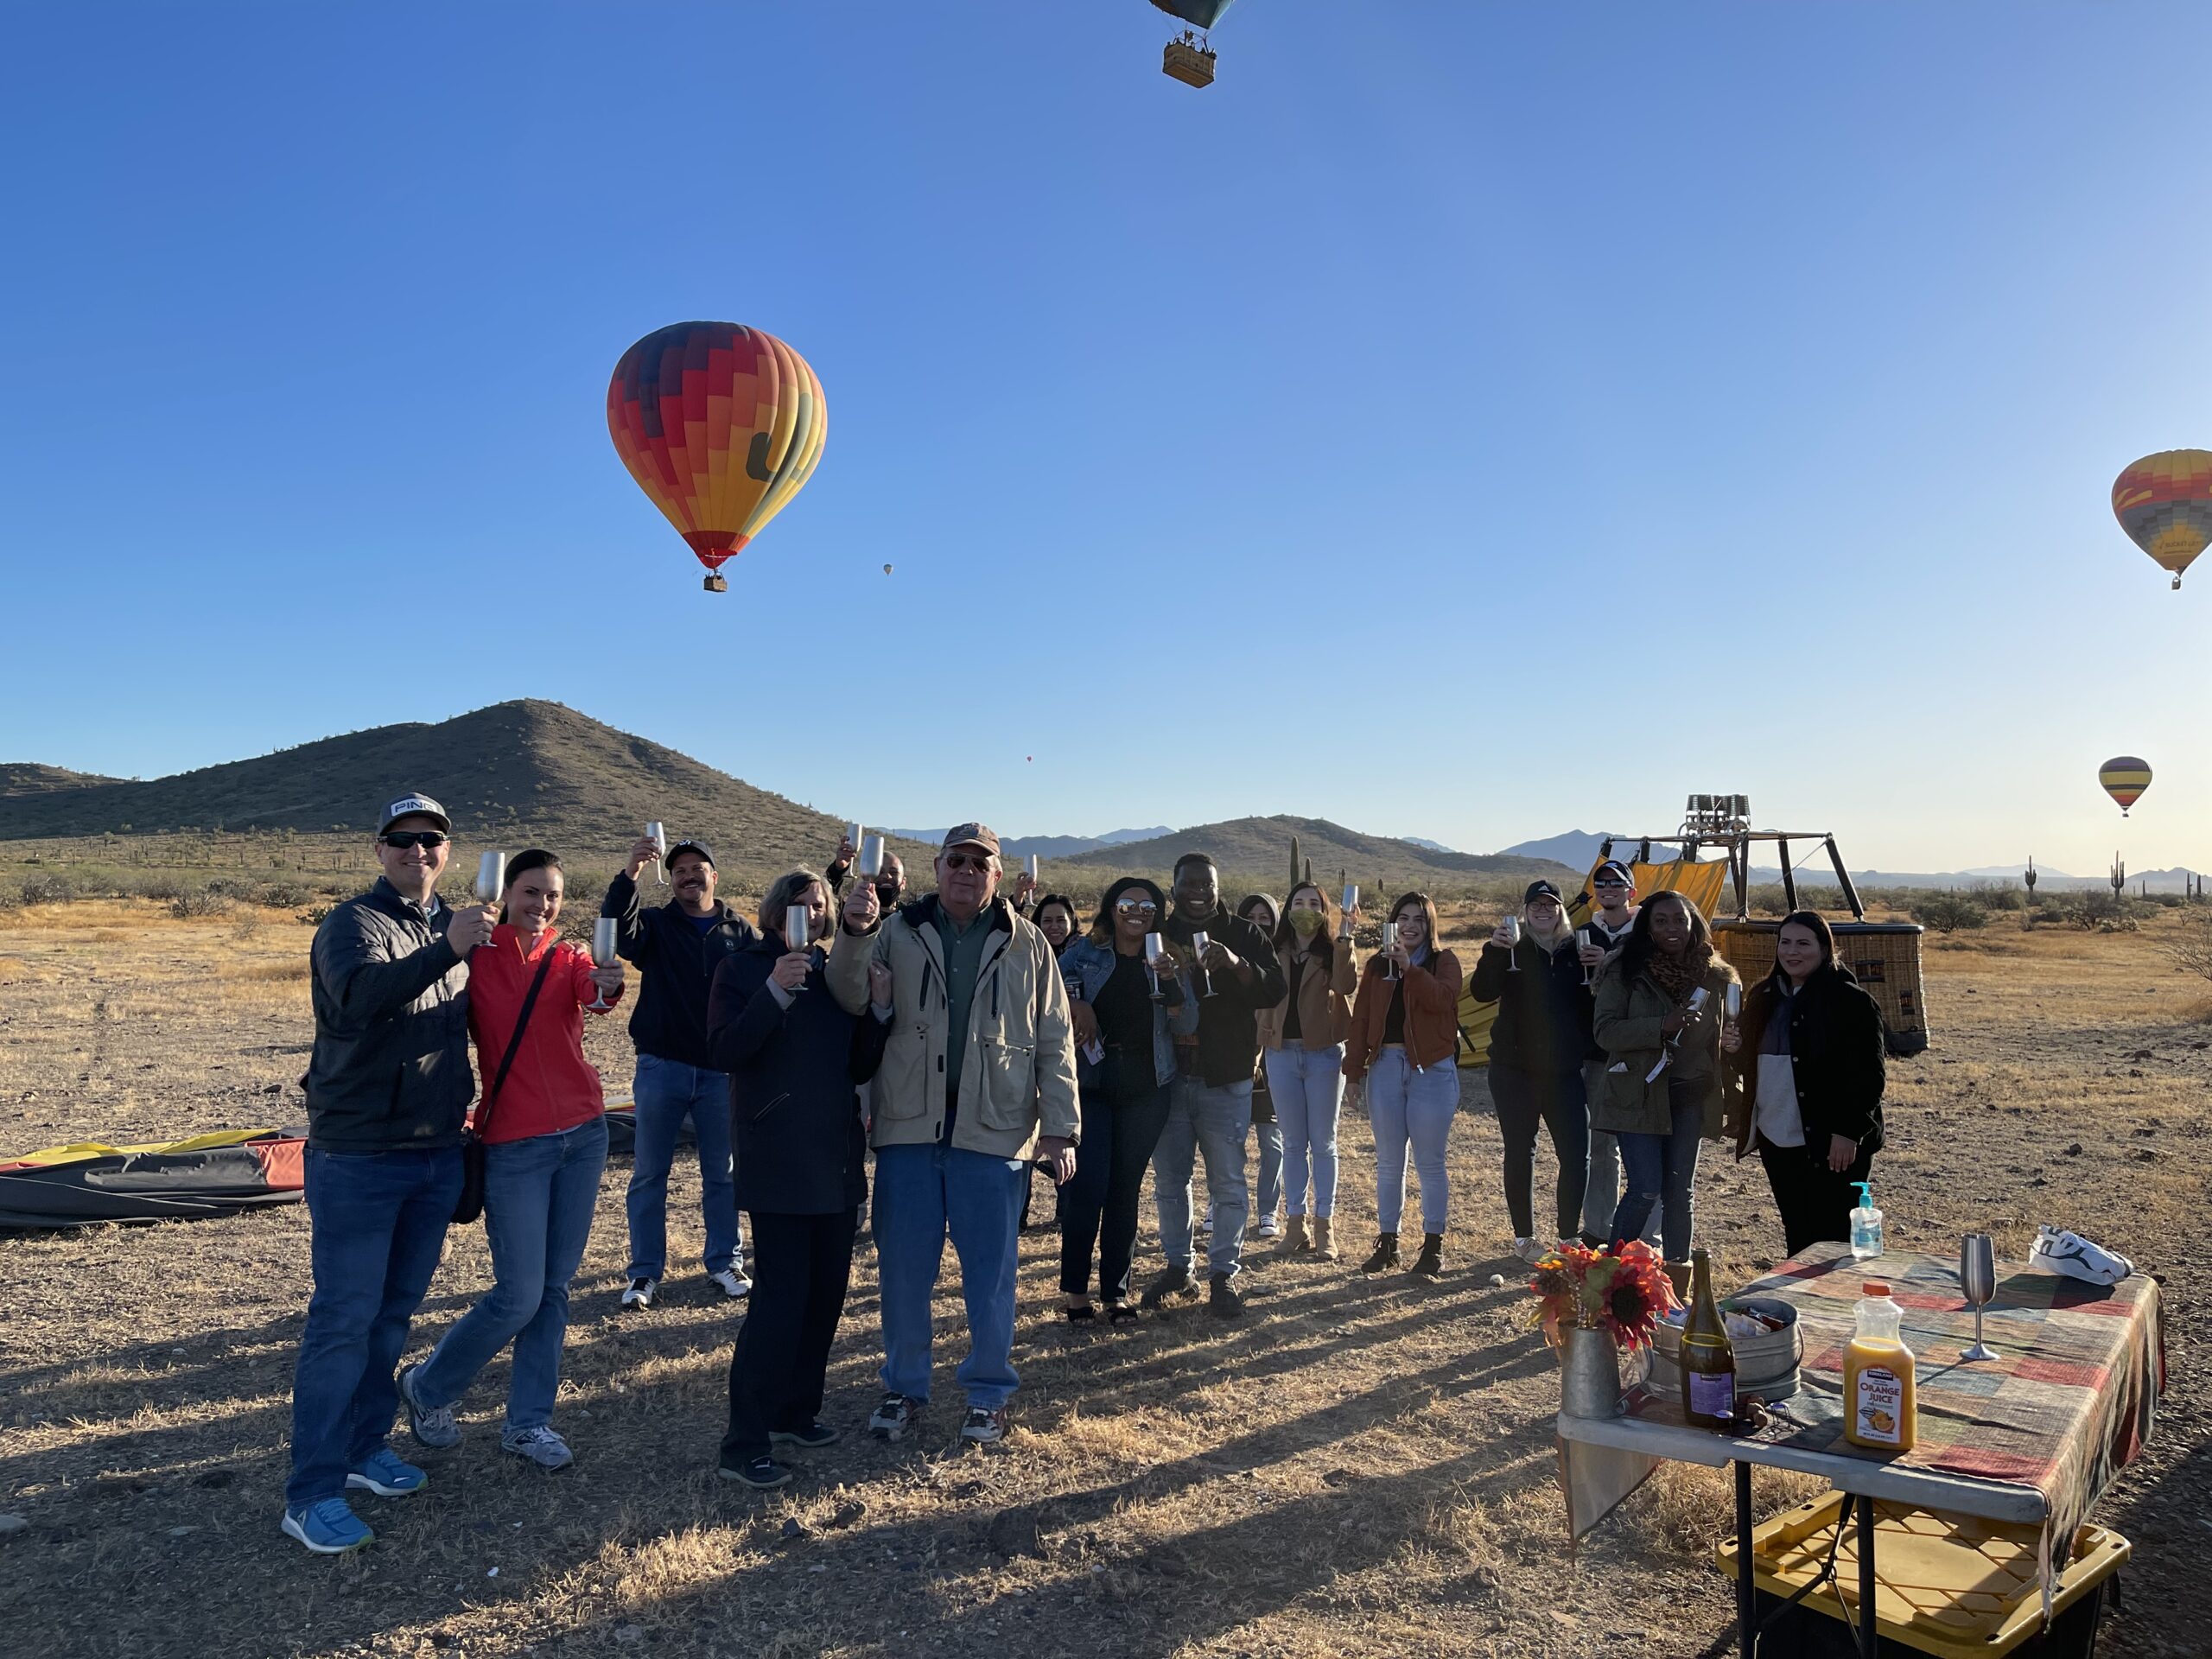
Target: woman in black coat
{"type": "Point", "coordinates": [793, 1057]}
{"type": "Point", "coordinates": [1808, 1054]}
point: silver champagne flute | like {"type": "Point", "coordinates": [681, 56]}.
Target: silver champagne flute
{"type": "Point", "coordinates": [1978, 1284]}
{"type": "Point", "coordinates": [1512, 944]}
{"type": "Point", "coordinates": [606, 933]}
{"type": "Point", "coordinates": [1586, 939]}
{"type": "Point", "coordinates": [657, 833]}
{"type": "Point", "coordinates": [1155, 946]}
{"type": "Point", "coordinates": [1198, 944]}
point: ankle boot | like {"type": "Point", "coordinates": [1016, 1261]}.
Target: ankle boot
{"type": "Point", "coordinates": [1386, 1253]}
{"type": "Point", "coordinates": [1678, 1274]}
{"type": "Point", "coordinates": [1430, 1263]}
{"type": "Point", "coordinates": [1293, 1235]}
{"type": "Point", "coordinates": [1325, 1238]}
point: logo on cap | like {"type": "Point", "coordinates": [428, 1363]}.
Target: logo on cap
{"type": "Point", "coordinates": [408, 806]}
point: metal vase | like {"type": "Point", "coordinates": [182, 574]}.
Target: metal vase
{"type": "Point", "coordinates": [1589, 1373]}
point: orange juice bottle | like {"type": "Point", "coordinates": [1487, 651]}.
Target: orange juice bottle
{"type": "Point", "coordinates": [1879, 1409]}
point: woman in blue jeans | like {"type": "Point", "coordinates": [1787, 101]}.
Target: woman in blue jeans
{"type": "Point", "coordinates": [1302, 1047]}
{"type": "Point", "coordinates": [542, 1119]}
{"type": "Point", "coordinates": [1662, 1090]}
{"type": "Point", "coordinates": [1125, 1066]}
{"type": "Point", "coordinates": [1260, 909]}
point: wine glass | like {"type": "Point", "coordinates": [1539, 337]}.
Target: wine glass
{"type": "Point", "coordinates": [491, 877]}
{"type": "Point", "coordinates": [1978, 1284]}
{"type": "Point", "coordinates": [798, 928]}
{"type": "Point", "coordinates": [1587, 940]}
{"type": "Point", "coordinates": [1389, 944]}
{"type": "Point", "coordinates": [657, 833]}
{"type": "Point", "coordinates": [1198, 944]}
{"type": "Point", "coordinates": [1512, 943]}
{"type": "Point", "coordinates": [1155, 948]}
{"type": "Point", "coordinates": [605, 932]}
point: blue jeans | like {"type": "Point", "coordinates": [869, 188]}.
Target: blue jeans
{"type": "Point", "coordinates": [667, 1092]}
{"type": "Point", "coordinates": [1269, 1198]}
{"type": "Point", "coordinates": [1308, 1085]}
{"type": "Point", "coordinates": [1663, 1166]}
{"type": "Point", "coordinates": [1411, 1111]}
{"type": "Point", "coordinates": [377, 1222]}
{"type": "Point", "coordinates": [922, 1194]}
{"type": "Point", "coordinates": [538, 1198]}
{"type": "Point", "coordinates": [1604, 1194]}
{"type": "Point", "coordinates": [1214, 1122]}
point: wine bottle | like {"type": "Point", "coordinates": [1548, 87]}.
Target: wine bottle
{"type": "Point", "coordinates": [1708, 1357]}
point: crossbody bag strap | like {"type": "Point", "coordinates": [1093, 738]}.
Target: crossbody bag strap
{"type": "Point", "coordinates": [514, 1043]}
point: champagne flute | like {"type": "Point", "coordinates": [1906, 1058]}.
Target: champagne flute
{"type": "Point", "coordinates": [1389, 944]}
{"type": "Point", "coordinates": [1155, 948]}
{"type": "Point", "coordinates": [1198, 944]}
{"type": "Point", "coordinates": [871, 856]}
{"type": "Point", "coordinates": [605, 931]}
{"type": "Point", "coordinates": [1512, 942]}
{"type": "Point", "coordinates": [657, 833]}
{"type": "Point", "coordinates": [1350, 902]}
{"type": "Point", "coordinates": [798, 929]}
{"type": "Point", "coordinates": [1978, 1284]}
{"type": "Point", "coordinates": [1588, 941]}
{"type": "Point", "coordinates": [491, 877]}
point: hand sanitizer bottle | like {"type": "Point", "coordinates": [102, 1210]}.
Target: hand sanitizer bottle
{"type": "Point", "coordinates": [1866, 1224]}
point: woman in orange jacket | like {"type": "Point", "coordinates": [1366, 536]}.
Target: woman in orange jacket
{"type": "Point", "coordinates": [1405, 1032]}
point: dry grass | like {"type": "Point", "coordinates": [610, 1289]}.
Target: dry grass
{"type": "Point", "coordinates": [1358, 1468]}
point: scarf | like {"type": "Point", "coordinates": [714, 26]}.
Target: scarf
{"type": "Point", "coordinates": [1678, 977]}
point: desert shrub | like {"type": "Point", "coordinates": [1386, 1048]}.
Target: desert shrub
{"type": "Point", "coordinates": [1995, 897]}
{"type": "Point", "coordinates": [205, 901]}
{"type": "Point", "coordinates": [283, 893]}
{"type": "Point", "coordinates": [1946, 912]}
{"type": "Point", "coordinates": [45, 887]}
{"type": "Point", "coordinates": [313, 916]}
{"type": "Point", "coordinates": [2189, 945]}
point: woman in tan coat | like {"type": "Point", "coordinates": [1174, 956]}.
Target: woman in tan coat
{"type": "Point", "coordinates": [1662, 1088]}
{"type": "Point", "coordinates": [1302, 1047]}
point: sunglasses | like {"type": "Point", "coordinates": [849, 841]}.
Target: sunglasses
{"type": "Point", "coordinates": [1612, 886]}
{"type": "Point", "coordinates": [1136, 907]}
{"type": "Point", "coordinates": [428, 840]}
{"type": "Point", "coordinates": [967, 861]}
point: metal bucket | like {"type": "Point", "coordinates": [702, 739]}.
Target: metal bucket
{"type": "Point", "coordinates": [1766, 1367]}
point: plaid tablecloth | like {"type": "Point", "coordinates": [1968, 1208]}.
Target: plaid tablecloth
{"type": "Point", "coordinates": [2068, 1402]}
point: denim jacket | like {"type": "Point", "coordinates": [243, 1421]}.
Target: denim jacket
{"type": "Point", "coordinates": [1087, 966]}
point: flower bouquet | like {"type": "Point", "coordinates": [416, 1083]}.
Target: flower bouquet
{"type": "Point", "coordinates": [1591, 1304]}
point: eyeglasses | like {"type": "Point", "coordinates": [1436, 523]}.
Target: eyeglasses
{"type": "Point", "coordinates": [967, 861]}
{"type": "Point", "coordinates": [1136, 907]}
{"type": "Point", "coordinates": [428, 840]}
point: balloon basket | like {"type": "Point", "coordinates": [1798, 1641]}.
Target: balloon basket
{"type": "Point", "coordinates": [1189, 61]}
{"type": "Point", "coordinates": [715, 582]}
{"type": "Point", "coordinates": [1884, 956]}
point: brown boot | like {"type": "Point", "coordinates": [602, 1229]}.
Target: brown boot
{"type": "Point", "coordinates": [1293, 1235]}
{"type": "Point", "coordinates": [1325, 1238]}
{"type": "Point", "coordinates": [1678, 1274]}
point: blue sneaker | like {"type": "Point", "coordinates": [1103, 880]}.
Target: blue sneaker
{"type": "Point", "coordinates": [386, 1474]}
{"type": "Point", "coordinates": [329, 1528]}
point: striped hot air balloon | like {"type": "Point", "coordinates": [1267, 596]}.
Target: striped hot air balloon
{"type": "Point", "coordinates": [2125, 778]}
{"type": "Point", "coordinates": [2164, 504]}
{"type": "Point", "coordinates": [720, 425]}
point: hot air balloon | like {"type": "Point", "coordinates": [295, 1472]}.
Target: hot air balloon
{"type": "Point", "coordinates": [886, 569]}
{"type": "Point", "coordinates": [2125, 778]}
{"type": "Point", "coordinates": [1188, 59]}
{"type": "Point", "coordinates": [720, 425]}
{"type": "Point", "coordinates": [2164, 504]}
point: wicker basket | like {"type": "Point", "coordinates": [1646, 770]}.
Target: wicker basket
{"type": "Point", "coordinates": [1884, 956]}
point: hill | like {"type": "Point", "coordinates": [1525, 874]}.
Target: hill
{"type": "Point", "coordinates": [1043, 846]}
{"type": "Point", "coordinates": [29, 778]}
{"type": "Point", "coordinates": [1260, 849]}
{"type": "Point", "coordinates": [517, 772]}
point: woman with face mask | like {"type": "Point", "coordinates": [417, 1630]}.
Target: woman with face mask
{"type": "Point", "coordinates": [1662, 1075]}
{"type": "Point", "coordinates": [1266, 1127]}
{"type": "Point", "coordinates": [542, 1119]}
{"type": "Point", "coordinates": [1302, 1052]}
{"type": "Point", "coordinates": [1404, 1045]}
{"type": "Point", "coordinates": [1537, 1049]}
{"type": "Point", "coordinates": [1809, 1060]}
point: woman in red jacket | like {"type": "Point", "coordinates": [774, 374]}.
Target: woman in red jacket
{"type": "Point", "coordinates": [1405, 1041]}
{"type": "Point", "coordinates": [544, 1126]}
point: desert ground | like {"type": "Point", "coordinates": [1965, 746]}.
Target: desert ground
{"type": "Point", "coordinates": [1358, 1468]}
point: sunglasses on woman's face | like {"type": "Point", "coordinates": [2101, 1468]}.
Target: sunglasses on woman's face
{"type": "Point", "coordinates": [429, 840]}
{"type": "Point", "coordinates": [1136, 907]}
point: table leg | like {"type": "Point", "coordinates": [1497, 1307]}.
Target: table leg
{"type": "Point", "coordinates": [1870, 1634]}
{"type": "Point", "coordinates": [1747, 1634]}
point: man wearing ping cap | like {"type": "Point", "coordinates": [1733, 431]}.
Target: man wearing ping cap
{"type": "Point", "coordinates": [977, 1079]}
{"type": "Point", "coordinates": [388, 1088]}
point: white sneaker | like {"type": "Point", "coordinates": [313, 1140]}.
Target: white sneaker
{"type": "Point", "coordinates": [639, 1293]}
{"type": "Point", "coordinates": [1529, 1251]}
{"type": "Point", "coordinates": [1270, 1228]}
{"type": "Point", "coordinates": [2076, 1257]}
{"type": "Point", "coordinates": [735, 1285]}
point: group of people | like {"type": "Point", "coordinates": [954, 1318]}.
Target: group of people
{"type": "Point", "coordinates": [966, 1039]}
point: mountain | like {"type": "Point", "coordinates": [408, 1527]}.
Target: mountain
{"type": "Point", "coordinates": [1577, 849]}
{"type": "Point", "coordinates": [1424, 843]}
{"type": "Point", "coordinates": [1044, 846]}
{"type": "Point", "coordinates": [520, 772]}
{"type": "Point", "coordinates": [29, 778]}
{"type": "Point", "coordinates": [1260, 849]}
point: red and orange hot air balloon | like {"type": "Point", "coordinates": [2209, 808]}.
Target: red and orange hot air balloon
{"type": "Point", "coordinates": [2164, 504]}
{"type": "Point", "coordinates": [721, 425]}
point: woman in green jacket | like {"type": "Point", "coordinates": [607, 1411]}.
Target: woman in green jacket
{"type": "Point", "coordinates": [1662, 1090]}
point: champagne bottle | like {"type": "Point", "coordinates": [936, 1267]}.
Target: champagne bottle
{"type": "Point", "coordinates": [1708, 1358]}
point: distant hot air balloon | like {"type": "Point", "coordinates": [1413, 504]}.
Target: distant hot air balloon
{"type": "Point", "coordinates": [1190, 59]}
{"type": "Point", "coordinates": [2125, 779]}
{"type": "Point", "coordinates": [720, 425]}
{"type": "Point", "coordinates": [2164, 504]}
{"type": "Point", "coordinates": [886, 569]}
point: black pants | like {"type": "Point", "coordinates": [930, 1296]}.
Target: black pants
{"type": "Point", "coordinates": [1815, 1202]}
{"type": "Point", "coordinates": [1525, 1099]}
{"type": "Point", "coordinates": [1099, 1206]}
{"type": "Point", "coordinates": [801, 1266]}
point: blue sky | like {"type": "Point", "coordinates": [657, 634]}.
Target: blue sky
{"type": "Point", "coordinates": [1463, 420]}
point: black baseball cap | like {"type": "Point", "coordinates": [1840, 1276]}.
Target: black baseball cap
{"type": "Point", "coordinates": [1540, 890]}
{"type": "Point", "coordinates": [683, 847]}
{"type": "Point", "coordinates": [1613, 867]}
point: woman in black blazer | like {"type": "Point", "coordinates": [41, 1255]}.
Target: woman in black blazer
{"type": "Point", "coordinates": [1808, 1056]}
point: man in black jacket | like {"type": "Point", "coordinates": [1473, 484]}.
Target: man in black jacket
{"type": "Point", "coordinates": [1210, 1110]}
{"type": "Point", "coordinates": [388, 1089]}
{"type": "Point", "coordinates": [678, 947]}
